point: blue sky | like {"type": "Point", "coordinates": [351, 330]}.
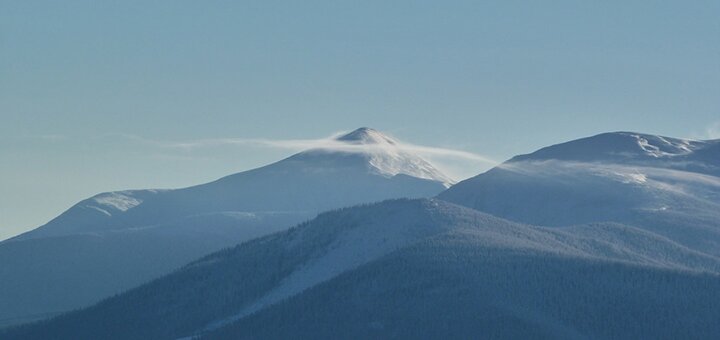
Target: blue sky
{"type": "Point", "coordinates": [84, 84]}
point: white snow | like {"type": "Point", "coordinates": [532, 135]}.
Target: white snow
{"type": "Point", "coordinates": [120, 200]}
{"type": "Point", "coordinates": [658, 146]}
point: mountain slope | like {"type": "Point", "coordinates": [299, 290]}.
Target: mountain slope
{"type": "Point", "coordinates": [665, 185]}
{"type": "Point", "coordinates": [428, 254]}
{"type": "Point", "coordinates": [450, 287]}
{"type": "Point", "coordinates": [114, 241]}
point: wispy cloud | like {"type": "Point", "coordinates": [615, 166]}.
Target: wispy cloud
{"type": "Point", "coordinates": [330, 143]}
{"type": "Point", "coordinates": [456, 163]}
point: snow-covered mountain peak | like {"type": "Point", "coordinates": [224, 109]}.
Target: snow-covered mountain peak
{"type": "Point", "coordinates": [365, 135]}
{"type": "Point", "coordinates": [361, 166]}
{"type": "Point", "coordinates": [379, 153]}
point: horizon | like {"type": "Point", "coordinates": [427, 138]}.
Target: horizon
{"type": "Point", "coordinates": [101, 96]}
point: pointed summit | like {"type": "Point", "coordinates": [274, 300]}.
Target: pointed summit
{"type": "Point", "coordinates": [365, 135]}
{"type": "Point", "coordinates": [384, 156]}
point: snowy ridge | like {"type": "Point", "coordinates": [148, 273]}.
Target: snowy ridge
{"type": "Point", "coordinates": [380, 229]}
{"type": "Point", "coordinates": [390, 228]}
{"type": "Point", "coordinates": [635, 148]}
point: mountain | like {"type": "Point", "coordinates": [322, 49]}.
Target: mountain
{"type": "Point", "coordinates": [664, 185]}
{"type": "Point", "coordinates": [118, 240]}
{"type": "Point", "coordinates": [420, 268]}
{"type": "Point", "coordinates": [368, 167]}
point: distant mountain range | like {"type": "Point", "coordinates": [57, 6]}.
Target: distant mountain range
{"type": "Point", "coordinates": [114, 241]}
{"type": "Point", "coordinates": [611, 236]}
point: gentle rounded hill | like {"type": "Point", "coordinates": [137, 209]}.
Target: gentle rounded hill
{"type": "Point", "coordinates": [668, 186]}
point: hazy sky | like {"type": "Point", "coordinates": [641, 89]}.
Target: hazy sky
{"type": "Point", "coordinates": [90, 91]}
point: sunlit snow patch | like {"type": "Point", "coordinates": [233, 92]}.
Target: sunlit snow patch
{"type": "Point", "coordinates": [117, 200]}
